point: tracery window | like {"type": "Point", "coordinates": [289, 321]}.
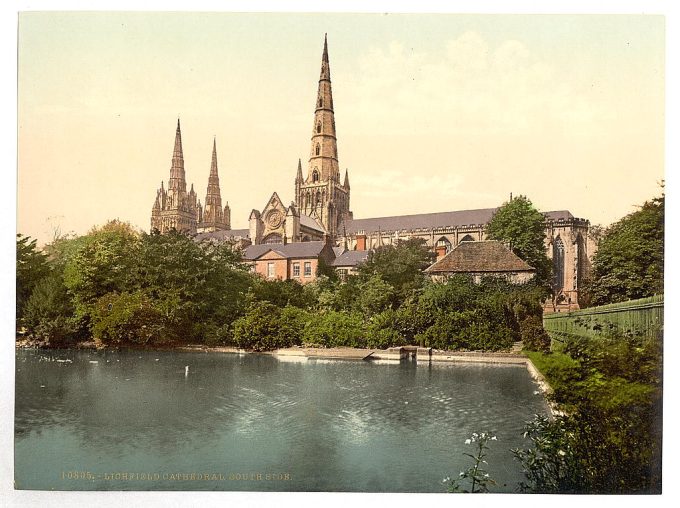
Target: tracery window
{"type": "Point", "coordinates": [558, 263]}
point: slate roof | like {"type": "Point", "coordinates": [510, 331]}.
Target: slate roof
{"type": "Point", "coordinates": [289, 250]}
{"type": "Point", "coordinates": [351, 258]}
{"type": "Point", "coordinates": [224, 234]}
{"type": "Point", "coordinates": [434, 220]}
{"type": "Point", "coordinates": [477, 257]}
{"type": "Point", "coordinates": [308, 222]}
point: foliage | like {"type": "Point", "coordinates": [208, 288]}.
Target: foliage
{"type": "Point", "coordinates": [476, 475]}
{"type": "Point", "coordinates": [31, 268]}
{"type": "Point", "coordinates": [258, 329]}
{"type": "Point", "coordinates": [335, 329]}
{"type": "Point", "coordinates": [401, 266]}
{"type": "Point", "coordinates": [382, 331]}
{"type": "Point", "coordinates": [128, 318]}
{"type": "Point", "coordinates": [629, 262]}
{"type": "Point", "coordinates": [608, 438]}
{"type": "Point", "coordinates": [103, 264]}
{"type": "Point", "coordinates": [534, 337]}
{"type": "Point", "coordinates": [375, 295]}
{"type": "Point", "coordinates": [520, 225]}
{"type": "Point", "coordinates": [281, 293]}
{"type": "Point", "coordinates": [48, 313]}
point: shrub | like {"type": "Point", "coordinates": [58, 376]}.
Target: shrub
{"type": "Point", "coordinates": [49, 313]}
{"type": "Point", "coordinates": [128, 318]}
{"type": "Point", "coordinates": [533, 336]}
{"type": "Point", "coordinates": [259, 328]}
{"type": "Point", "coordinates": [335, 329]}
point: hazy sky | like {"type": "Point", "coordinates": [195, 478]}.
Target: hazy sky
{"type": "Point", "coordinates": [433, 112]}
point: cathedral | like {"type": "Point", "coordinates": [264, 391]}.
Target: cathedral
{"type": "Point", "coordinates": [321, 214]}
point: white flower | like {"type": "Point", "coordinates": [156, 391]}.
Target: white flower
{"type": "Point", "coordinates": [562, 453]}
{"type": "Point", "coordinates": [493, 438]}
{"type": "Point", "coordinates": [467, 441]}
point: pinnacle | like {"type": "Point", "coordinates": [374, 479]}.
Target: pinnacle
{"type": "Point", "coordinates": [213, 165]}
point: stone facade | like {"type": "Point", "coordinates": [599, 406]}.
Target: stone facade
{"type": "Point", "coordinates": [321, 213]}
{"type": "Point", "coordinates": [178, 209]}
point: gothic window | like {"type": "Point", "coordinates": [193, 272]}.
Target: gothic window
{"type": "Point", "coordinates": [318, 127]}
{"type": "Point", "coordinates": [467, 238]}
{"type": "Point", "coordinates": [444, 242]}
{"type": "Point", "coordinates": [581, 260]}
{"type": "Point", "coordinates": [272, 238]}
{"type": "Point", "coordinates": [318, 148]}
{"type": "Point", "coordinates": [318, 198]}
{"type": "Point", "coordinates": [558, 263]}
{"type": "Point", "coordinates": [315, 176]}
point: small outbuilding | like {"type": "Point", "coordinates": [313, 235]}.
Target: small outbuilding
{"type": "Point", "coordinates": [482, 259]}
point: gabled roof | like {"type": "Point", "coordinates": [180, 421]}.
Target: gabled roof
{"type": "Point", "coordinates": [351, 258]}
{"type": "Point", "coordinates": [289, 250]}
{"type": "Point", "coordinates": [458, 218]}
{"type": "Point", "coordinates": [224, 234]}
{"type": "Point", "coordinates": [478, 257]}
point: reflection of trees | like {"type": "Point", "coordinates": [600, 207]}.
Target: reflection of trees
{"type": "Point", "coordinates": [312, 419]}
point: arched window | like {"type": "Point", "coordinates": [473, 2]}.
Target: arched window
{"type": "Point", "coordinates": [318, 127]}
{"type": "Point", "coordinates": [318, 198]}
{"type": "Point", "coordinates": [315, 176]}
{"type": "Point", "coordinates": [467, 238]}
{"type": "Point", "coordinates": [558, 263]}
{"type": "Point", "coordinates": [318, 148]}
{"type": "Point", "coordinates": [272, 238]}
{"type": "Point", "coordinates": [444, 242]}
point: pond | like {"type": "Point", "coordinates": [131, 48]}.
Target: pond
{"type": "Point", "coordinates": [88, 420]}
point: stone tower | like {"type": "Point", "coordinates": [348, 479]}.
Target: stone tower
{"type": "Point", "coordinates": [176, 208]}
{"type": "Point", "coordinates": [321, 195]}
{"type": "Point", "coordinates": [213, 217]}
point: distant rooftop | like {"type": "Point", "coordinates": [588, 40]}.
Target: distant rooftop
{"type": "Point", "coordinates": [222, 235]}
{"type": "Point", "coordinates": [457, 218]}
{"type": "Point", "coordinates": [350, 258]}
{"type": "Point", "coordinates": [288, 250]}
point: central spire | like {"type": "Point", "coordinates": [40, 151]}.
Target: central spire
{"type": "Point", "coordinates": [323, 158]}
{"type": "Point", "coordinates": [177, 177]}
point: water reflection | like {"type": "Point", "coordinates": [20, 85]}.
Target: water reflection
{"type": "Point", "coordinates": [333, 425]}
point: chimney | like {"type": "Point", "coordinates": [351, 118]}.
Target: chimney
{"type": "Point", "coordinates": [441, 251]}
{"type": "Point", "coordinates": [361, 240]}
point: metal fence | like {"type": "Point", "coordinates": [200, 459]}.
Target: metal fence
{"type": "Point", "coordinates": [643, 317]}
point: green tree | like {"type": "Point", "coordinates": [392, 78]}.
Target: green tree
{"type": "Point", "coordinates": [629, 262]}
{"type": "Point", "coordinates": [520, 225]}
{"type": "Point", "coordinates": [400, 265]}
{"type": "Point", "coordinates": [103, 263]}
{"type": "Point", "coordinates": [32, 267]}
{"type": "Point", "coordinates": [49, 312]}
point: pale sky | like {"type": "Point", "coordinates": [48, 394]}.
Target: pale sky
{"type": "Point", "coordinates": [433, 112]}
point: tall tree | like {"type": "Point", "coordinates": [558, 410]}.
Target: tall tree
{"type": "Point", "coordinates": [400, 266]}
{"type": "Point", "coordinates": [31, 268]}
{"type": "Point", "coordinates": [629, 262]}
{"type": "Point", "coordinates": [519, 224]}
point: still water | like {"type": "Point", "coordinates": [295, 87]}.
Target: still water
{"type": "Point", "coordinates": [90, 420]}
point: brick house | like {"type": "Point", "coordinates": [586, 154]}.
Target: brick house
{"type": "Point", "coordinates": [297, 261]}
